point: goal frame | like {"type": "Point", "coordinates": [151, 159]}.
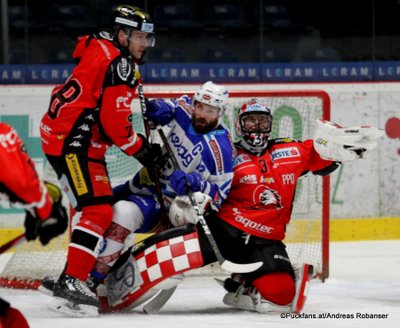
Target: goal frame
{"type": "Point", "coordinates": [325, 195]}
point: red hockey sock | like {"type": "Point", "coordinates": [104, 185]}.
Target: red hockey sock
{"type": "Point", "coordinates": [277, 287]}
{"type": "Point", "coordinates": [85, 240]}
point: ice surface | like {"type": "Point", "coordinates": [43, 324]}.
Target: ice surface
{"type": "Point", "coordinates": [364, 279]}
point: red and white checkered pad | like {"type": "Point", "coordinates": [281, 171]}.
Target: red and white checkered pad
{"type": "Point", "coordinates": [169, 257]}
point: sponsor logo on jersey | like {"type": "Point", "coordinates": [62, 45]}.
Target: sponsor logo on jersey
{"type": "Point", "coordinates": [284, 140]}
{"type": "Point", "coordinates": [267, 180]}
{"type": "Point", "coordinates": [240, 159]}
{"type": "Point", "coordinates": [90, 117]}
{"type": "Point", "coordinates": [288, 152]}
{"type": "Point", "coordinates": [136, 77]}
{"type": "Point", "coordinates": [101, 178]}
{"type": "Point", "coordinates": [321, 141]}
{"type": "Point", "coordinates": [45, 128]}
{"type": "Point", "coordinates": [8, 139]}
{"type": "Point", "coordinates": [122, 102]}
{"type": "Point", "coordinates": [249, 179]}
{"type": "Point", "coordinates": [183, 152]}
{"type": "Point", "coordinates": [123, 69]}
{"type": "Point", "coordinates": [75, 143]}
{"type": "Point", "coordinates": [84, 127]}
{"type": "Point", "coordinates": [217, 154]}
{"type": "Point", "coordinates": [288, 178]}
{"type": "Point", "coordinates": [247, 223]}
{"type": "Point", "coordinates": [76, 174]}
{"type": "Point", "coordinates": [95, 144]}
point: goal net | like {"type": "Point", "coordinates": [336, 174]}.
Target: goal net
{"type": "Point", "coordinates": [307, 237]}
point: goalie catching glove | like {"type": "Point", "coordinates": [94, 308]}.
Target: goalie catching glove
{"type": "Point", "coordinates": [50, 227]}
{"type": "Point", "coordinates": [336, 143]}
{"type": "Point", "coordinates": [182, 212]}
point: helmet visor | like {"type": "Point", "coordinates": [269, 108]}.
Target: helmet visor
{"type": "Point", "coordinates": [139, 37]}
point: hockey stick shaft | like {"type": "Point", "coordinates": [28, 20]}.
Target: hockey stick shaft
{"type": "Point", "coordinates": [155, 173]}
{"type": "Point", "coordinates": [13, 242]}
{"type": "Point", "coordinates": [225, 264]}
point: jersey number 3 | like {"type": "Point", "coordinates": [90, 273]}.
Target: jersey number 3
{"type": "Point", "coordinates": [263, 165]}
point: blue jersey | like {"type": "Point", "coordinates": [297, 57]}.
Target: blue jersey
{"type": "Point", "coordinates": [209, 154]}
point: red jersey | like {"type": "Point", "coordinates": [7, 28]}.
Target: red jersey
{"type": "Point", "coordinates": [91, 110]}
{"type": "Point", "coordinates": [263, 187]}
{"type": "Point", "coordinates": [19, 182]}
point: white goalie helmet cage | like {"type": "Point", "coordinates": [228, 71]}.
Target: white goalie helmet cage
{"type": "Point", "coordinates": [214, 95]}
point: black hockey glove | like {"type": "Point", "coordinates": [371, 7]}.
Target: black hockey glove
{"type": "Point", "coordinates": [149, 155]}
{"type": "Point", "coordinates": [53, 226]}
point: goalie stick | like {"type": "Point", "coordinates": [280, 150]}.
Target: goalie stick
{"type": "Point", "coordinates": [157, 302]}
{"type": "Point", "coordinates": [225, 264]}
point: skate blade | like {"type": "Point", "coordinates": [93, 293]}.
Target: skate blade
{"type": "Point", "coordinates": [72, 310]}
{"type": "Point", "coordinates": [45, 291]}
{"type": "Point", "coordinates": [243, 302]}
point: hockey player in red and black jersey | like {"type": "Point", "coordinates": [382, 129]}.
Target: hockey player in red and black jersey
{"type": "Point", "coordinates": [251, 224]}
{"type": "Point", "coordinates": [88, 113]}
{"type": "Point", "coordinates": [21, 187]}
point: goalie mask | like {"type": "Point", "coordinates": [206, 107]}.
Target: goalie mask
{"type": "Point", "coordinates": [253, 124]}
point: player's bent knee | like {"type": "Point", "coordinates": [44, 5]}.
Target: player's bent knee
{"type": "Point", "coordinates": [277, 287]}
{"type": "Point", "coordinates": [97, 217]}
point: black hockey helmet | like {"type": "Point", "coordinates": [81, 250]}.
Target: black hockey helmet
{"type": "Point", "coordinates": [133, 18]}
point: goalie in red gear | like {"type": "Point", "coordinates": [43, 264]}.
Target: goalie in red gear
{"type": "Point", "coordinates": [21, 187]}
{"type": "Point", "coordinates": [88, 113]}
{"type": "Point", "coordinates": [251, 224]}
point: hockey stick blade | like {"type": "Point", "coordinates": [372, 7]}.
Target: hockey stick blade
{"type": "Point", "coordinates": [240, 268]}
{"type": "Point", "coordinates": [158, 301]}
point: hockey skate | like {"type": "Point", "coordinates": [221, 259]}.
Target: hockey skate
{"type": "Point", "coordinates": [72, 297]}
{"type": "Point", "coordinates": [47, 285]}
{"type": "Point", "coordinates": [246, 297]}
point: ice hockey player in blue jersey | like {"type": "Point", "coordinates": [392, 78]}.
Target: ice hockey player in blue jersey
{"type": "Point", "coordinates": [204, 151]}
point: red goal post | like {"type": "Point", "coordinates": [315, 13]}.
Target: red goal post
{"type": "Point", "coordinates": [294, 114]}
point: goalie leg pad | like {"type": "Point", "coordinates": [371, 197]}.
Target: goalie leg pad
{"type": "Point", "coordinates": [276, 287]}
{"type": "Point", "coordinates": [167, 258]}
{"type": "Point", "coordinates": [302, 284]}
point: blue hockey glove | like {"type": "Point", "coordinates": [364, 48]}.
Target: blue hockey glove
{"type": "Point", "coordinates": [160, 112]}
{"type": "Point", "coordinates": [181, 181]}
